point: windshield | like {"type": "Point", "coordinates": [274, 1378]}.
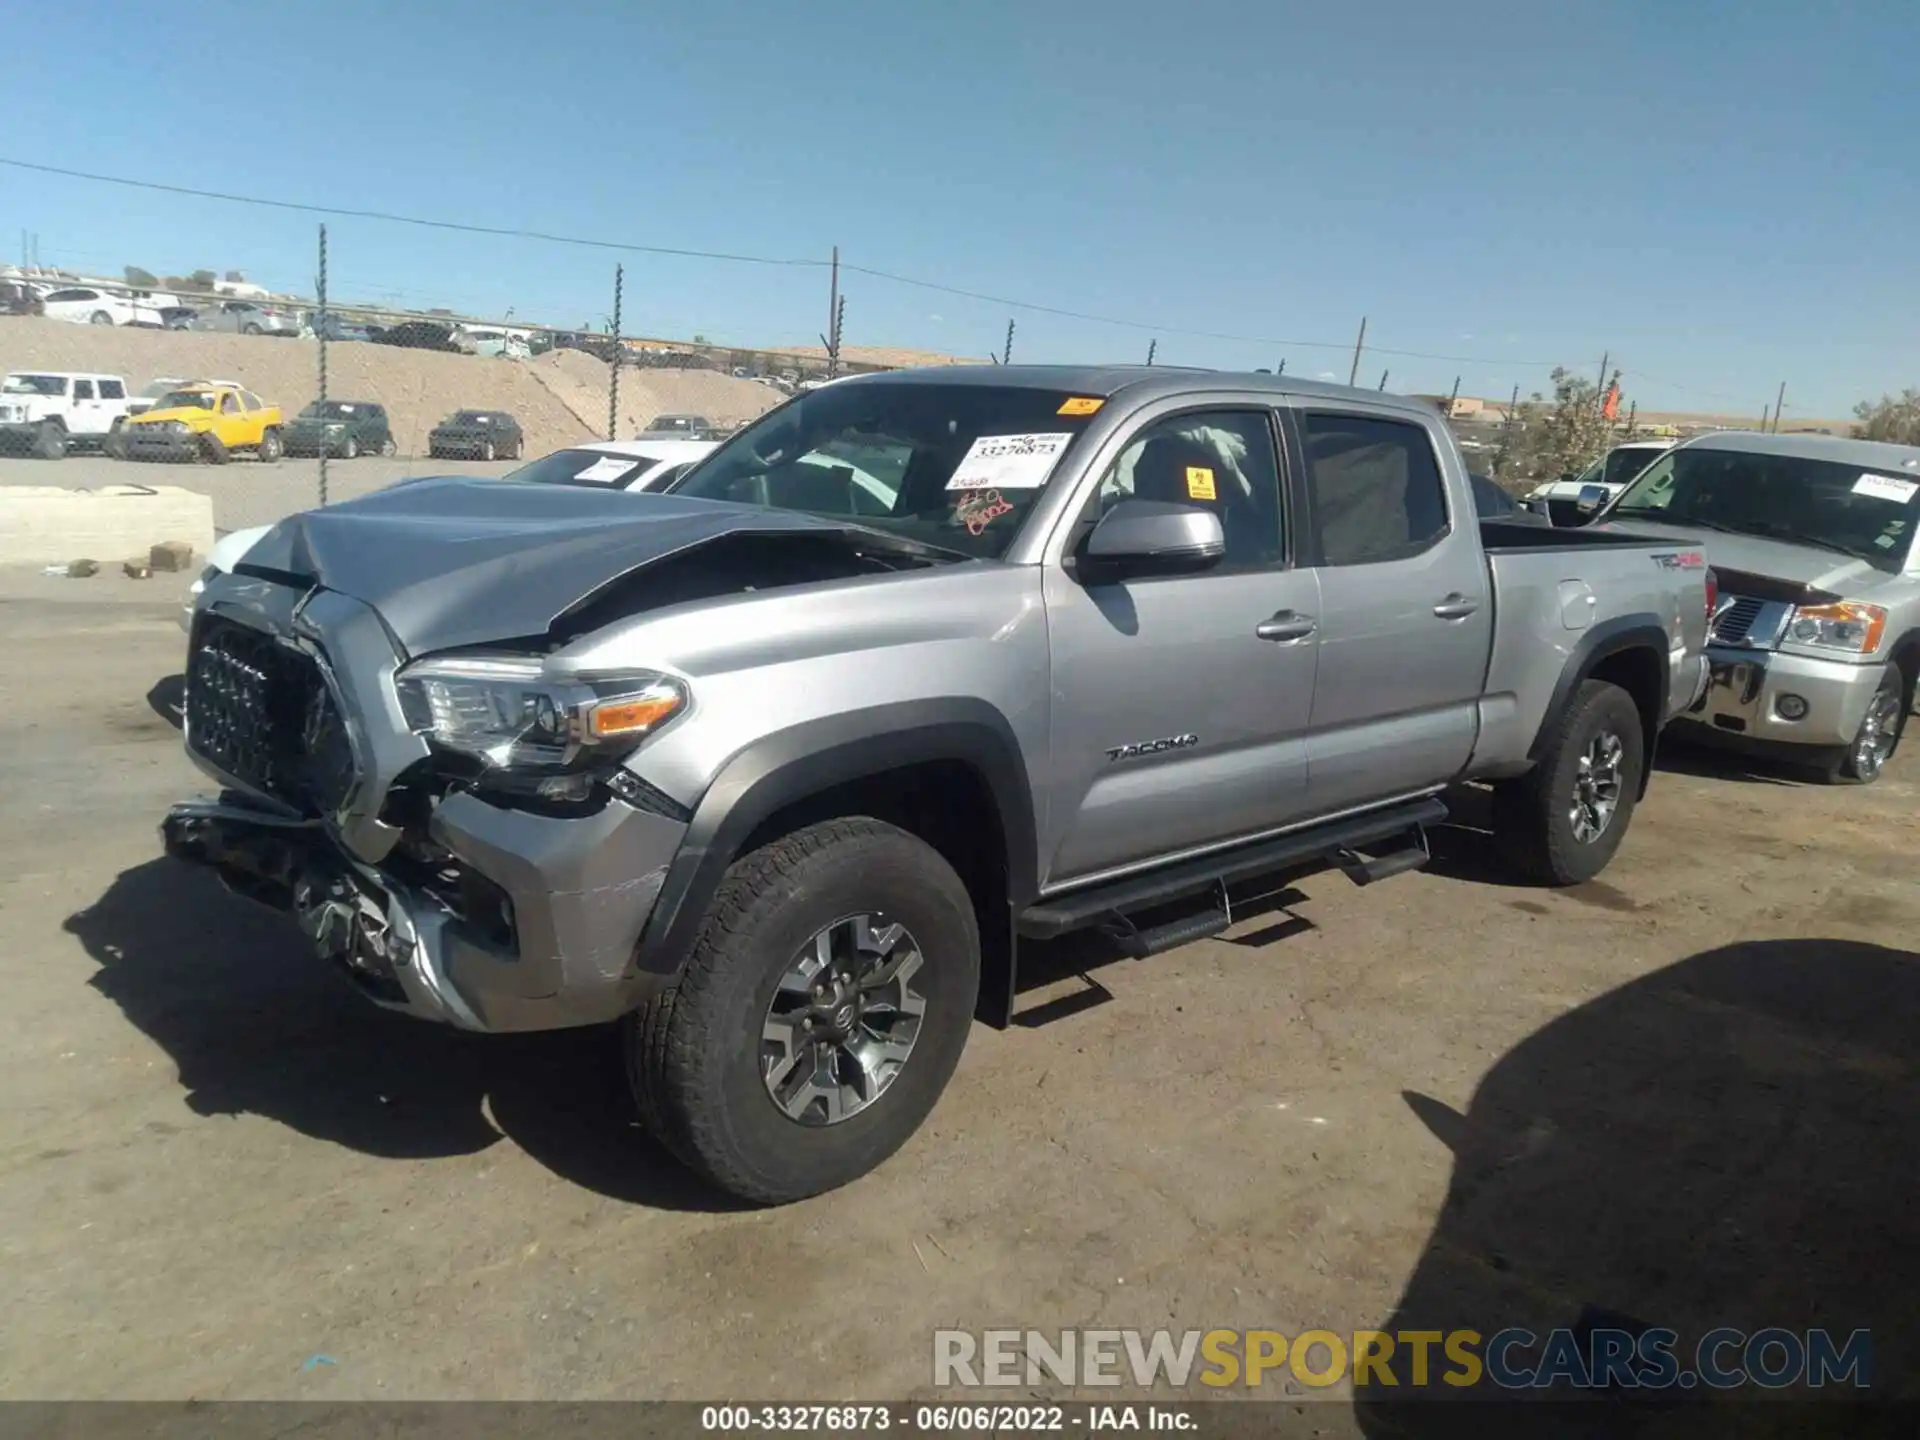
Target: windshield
{"type": "Point", "coordinates": [327, 410]}
{"type": "Point", "coordinates": [186, 400]}
{"type": "Point", "coordinates": [1617, 467]}
{"type": "Point", "coordinates": [955, 466]}
{"type": "Point", "coordinates": [35, 385]}
{"type": "Point", "coordinates": [584, 467]}
{"type": "Point", "coordinates": [1781, 497]}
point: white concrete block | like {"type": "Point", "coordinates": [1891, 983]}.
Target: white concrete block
{"type": "Point", "coordinates": [43, 524]}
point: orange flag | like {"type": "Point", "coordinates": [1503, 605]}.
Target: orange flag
{"type": "Point", "coordinates": [1611, 409]}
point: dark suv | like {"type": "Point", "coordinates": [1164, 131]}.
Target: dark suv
{"type": "Point", "coordinates": [477, 435]}
{"type": "Point", "coordinates": [341, 429]}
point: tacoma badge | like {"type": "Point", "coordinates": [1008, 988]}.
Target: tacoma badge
{"type": "Point", "coordinates": [1151, 747]}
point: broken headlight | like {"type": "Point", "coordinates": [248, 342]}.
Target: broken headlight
{"type": "Point", "coordinates": [504, 711]}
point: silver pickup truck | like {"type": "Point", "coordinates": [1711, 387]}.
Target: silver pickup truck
{"type": "Point", "coordinates": [782, 768]}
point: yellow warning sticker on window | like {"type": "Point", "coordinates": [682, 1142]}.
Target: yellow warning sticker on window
{"type": "Point", "coordinates": [1200, 483]}
{"type": "Point", "coordinates": [1080, 405]}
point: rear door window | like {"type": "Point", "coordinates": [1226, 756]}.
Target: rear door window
{"type": "Point", "coordinates": [1375, 487]}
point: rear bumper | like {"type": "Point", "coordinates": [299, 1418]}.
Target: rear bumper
{"type": "Point", "coordinates": [1745, 689]}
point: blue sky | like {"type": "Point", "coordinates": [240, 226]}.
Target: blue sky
{"type": "Point", "coordinates": [1722, 195]}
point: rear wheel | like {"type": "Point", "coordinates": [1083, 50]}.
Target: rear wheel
{"type": "Point", "coordinates": [250, 329]}
{"type": "Point", "coordinates": [1561, 823]}
{"type": "Point", "coordinates": [50, 440]}
{"type": "Point", "coordinates": [388, 449]}
{"type": "Point", "coordinates": [1862, 762]}
{"type": "Point", "coordinates": [819, 1017]}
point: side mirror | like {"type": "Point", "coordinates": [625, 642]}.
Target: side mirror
{"type": "Point", "coordinates": [1591, 498]}
{"type": "Point", "coordinates": [1150, 537]}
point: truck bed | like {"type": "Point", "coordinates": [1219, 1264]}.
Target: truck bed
{"type": "Point", "coordinates": [1504, 536]}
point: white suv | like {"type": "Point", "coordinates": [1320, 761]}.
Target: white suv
{"type": "Point", "coordinates": [48, 411]}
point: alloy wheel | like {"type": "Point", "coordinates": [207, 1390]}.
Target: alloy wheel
{"type": "Point", "coordinates": [1874, 743]}
{"type": "Point", "coordinates": [1597, 787]}
{"type": "Point", "coordinates": [843, 1020]}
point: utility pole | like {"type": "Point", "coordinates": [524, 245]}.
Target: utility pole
{"type": "Point", "coordinates": [1383, 378]}
{"type": "Point", "coordinates": [1633, 418]}
{"type": "Point", "coordinates": [1454, 398]}
{"type": "Point", "coordinates": [1152, 345]}
{"type": "Point", "coordinates": [1283, 368]}
{"type": "Point", "coordinates": [1506, 433]}
{"type": "Point", "coordinates": [1763, 419]}
{"type": "Point", "coordinates": [1600, 392]}
{"type": "Point", "coordinates": [613, 375]}
{"type": "Point", "coordinates": [1353, 375]}
{"type": "Point", "coordinates": [1006, 356]}
{"type": "Point", "coordinates": [832, 338]}
{"type": "Point", "coordinates": [320, 289]}
{"type": "Point", "coordinates": [834, 310]}
{"type": "Point", "coordinates": [1779, 403]}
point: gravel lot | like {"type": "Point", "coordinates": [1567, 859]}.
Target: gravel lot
{"type": "Point", "coordinates": [1684, 1094]}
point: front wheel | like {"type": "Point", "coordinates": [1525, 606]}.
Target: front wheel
{"type": "Point", "coordinates": [1561, 823]}
{"type": "Point", "coordinates": [50, 441]}
{"type": "Point", "coordinates": [350, 450]}
{"type": "Point", "coordinates": [486, 450]}
{"type": "Point", "coordinates": [819, 1017]}
{"type": "Point", "coordinates": [100, 317]}
{"type": "Point", "coordinates": [1861, 762]}
{"type": "Point", "coordinates": [272, 447]}
{"type": "Point", "coordinates": [250, 329]}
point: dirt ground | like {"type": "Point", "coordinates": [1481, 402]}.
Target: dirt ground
{"type": "Point", "coordinates": [1684, 1091]}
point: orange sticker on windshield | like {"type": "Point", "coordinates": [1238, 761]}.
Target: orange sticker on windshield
{"type": "Point", "coordinates": [1200, 483]}
{"type": "Point", "coordinates": [1080, 405]}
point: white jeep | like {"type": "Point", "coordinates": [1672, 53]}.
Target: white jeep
{"type": "Point", "coordinates": [46, 412]}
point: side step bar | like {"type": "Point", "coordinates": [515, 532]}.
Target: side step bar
{"type": "Point", "coordinates": [1339, 843]}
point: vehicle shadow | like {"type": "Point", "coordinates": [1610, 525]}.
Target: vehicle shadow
{"type": "Point", "coordinates": [168, 699]}
{"type": "Point", "coordinates": [255, 1025]}
{"type": "Point", "coordinates": [1683, 757]}
{"type": "Point", "coordinates": [1730, 1141]}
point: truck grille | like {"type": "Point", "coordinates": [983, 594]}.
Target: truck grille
{"type": "Point", "coordinates": [261, 712]}
{"type": "Point", "coordinates": [1734, 621]}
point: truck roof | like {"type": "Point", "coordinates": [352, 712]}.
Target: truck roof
{"type": "Point", "coordinates": [1871, 454]}
{"type": "Point", "coordinates": [65, 374]}
{"type": "Point", "coordinates": [1139, 381]}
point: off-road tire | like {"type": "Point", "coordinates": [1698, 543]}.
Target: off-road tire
{"type": "Point", "coordinates": [1839, 766]}
{"type": "Point", "coordinates": [213, 450]}
{"type": "Point", "coordinates": [693, 1052]}
{"type": "Point", "coordinates": [1532, 823]}
{"type": "Point", "coordinates": [50, 440]}
{"type": "Point", "coordinates": [271, 447]}
{"type": "Point", "coordinates": [114, 447]}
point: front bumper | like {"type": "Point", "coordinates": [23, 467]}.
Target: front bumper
{"type": "Point", "coordinates": [1742, 703]}
{"type": "Point", "coordinates": [144, 442]}
{"type": "Point", "coordinates": [483, 917]}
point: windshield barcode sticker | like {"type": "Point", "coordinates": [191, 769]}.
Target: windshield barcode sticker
{"type": "Point", "coordinates": [606, 471]}
{"type": "Point", "coordinates": [1009, 462]}
{"type": "Point", "coordinates": [1886, 487]}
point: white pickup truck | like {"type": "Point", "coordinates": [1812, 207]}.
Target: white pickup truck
{"type": "Point", "coordinates": [48, 411]}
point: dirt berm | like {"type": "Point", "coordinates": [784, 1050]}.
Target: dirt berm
{"type": "Point", "coordinates": [559, 399]}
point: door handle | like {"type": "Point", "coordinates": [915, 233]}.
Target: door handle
{"type": "Point", "coordinates": [1285, 626]}
{"type": "Point", "coordinates": [1456, 607]}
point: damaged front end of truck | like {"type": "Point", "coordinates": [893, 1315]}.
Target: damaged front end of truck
{"type": "Point", "coordinates": [418, 765]}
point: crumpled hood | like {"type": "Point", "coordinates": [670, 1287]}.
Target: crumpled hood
{"type": "Point", "coordinates": [189, 413]}
{"type": "Point", "coordinates": [453, 561]}
{"type": "Point", "coordinates": [1775, 559]}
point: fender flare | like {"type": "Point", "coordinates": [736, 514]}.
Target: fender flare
{"type": "Point", "coordinates": [790, 765]}
{"type": "Point", "coordinates": [1642, 630]}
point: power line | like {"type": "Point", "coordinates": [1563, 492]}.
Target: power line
{"type": "Point", "coordinates": [509, 232]}
{"type": "Point", "coordinates": [497, 230]}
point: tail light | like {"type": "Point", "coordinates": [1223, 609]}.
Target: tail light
{"type": "Point", "coordinates": [1713, 593]}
